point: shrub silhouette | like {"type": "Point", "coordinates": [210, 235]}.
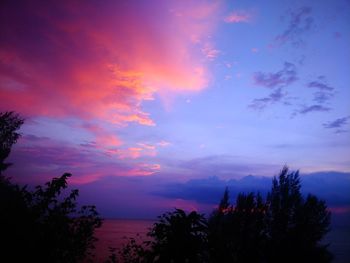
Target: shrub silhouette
{"type": "Point", "coordinates": [179, 237]}
{"type": "Point", "coordinates": [176, 237]}
{"type": "Point", "coordinates": [43, 225]}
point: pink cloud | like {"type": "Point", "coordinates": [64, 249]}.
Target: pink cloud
{"type": "Point", "coordinates": [133, 152]}
{"type": "Point", "coordinates": [38, 159]}
{"type": "Point", "coordinates": [164, 143]}
{"type": "Point", "coordinates": [238, 17]}
{"type": "Point", "coordinates": [100, 61]}
{"type": "Point", "coordinates": [144, 169]}
{"type": "Point", "coordinates": [140, 169]}
{"type": "Point", "coordinates": [210, 52]}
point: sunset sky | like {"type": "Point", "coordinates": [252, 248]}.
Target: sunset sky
{"type": "Point", "coordinates": [156, 104]}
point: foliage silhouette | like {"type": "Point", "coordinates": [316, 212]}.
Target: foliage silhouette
{"type": "Point", "coordinates": [237, 234]}
{"type": "Point", "coordinates": [176, 237]}
{"type": "Point", "coordinates": [134, 251]}
{"type": "Point", "coordinates": [295, 224]}
{"type": "Point", "coordinates": [179, 237]}
{"type": "Point", "coordinates": [10, 123]}
{"type": "Point", "coordinates": [286, 227]}
{"type": "Point", "coordinates": [43, 225]}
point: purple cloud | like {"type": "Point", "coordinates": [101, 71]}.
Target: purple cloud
{"type": "Point", "coordinates": [282, 78]}
{"type": "Point", "coordinates": [42, 158]}
{"type": "Point", "coordinates": [222, 166]}
{"type": "Point", "coordinates": [337, 124]}
{"type": "Point", "coordinates": [319, 108]}
{"type": "Point", "coordinates": [322, 97]}
{"type": "Point", "coordinates": [331, 186]}
{"type": "Point", "coordinates": [300, 22]}
{"type": "Point", "coordinates": [274, 97]}
{"type": "Point", "coordinates": [324, 91]}
{"type": "Point", "coordinates": [320, 84]}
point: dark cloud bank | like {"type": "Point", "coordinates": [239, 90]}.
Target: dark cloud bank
{"type": "Point", "coordinates": [330, 186]}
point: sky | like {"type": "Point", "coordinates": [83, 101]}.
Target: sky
{"type": "Point", "coordinates": [160, 104]}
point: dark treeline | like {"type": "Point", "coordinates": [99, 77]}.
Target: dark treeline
{"type": "Point", "coordinates": [282, 227]}
{"type": "Point", "coordinates": [46, 225]}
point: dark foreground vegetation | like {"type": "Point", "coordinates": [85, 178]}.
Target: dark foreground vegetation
{"type": "Point", "coordinates": [283, 227]}
{"type": "Point", "coordinates": [45, 224]}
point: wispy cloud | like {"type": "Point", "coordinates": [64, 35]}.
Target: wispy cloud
{"type": "Point", "coordinates": [238, 17]}
{"type": "Point", "coordinates": [300, 22]}
{"type": "Point", "coordinates": [276, 81]}
{"type": "Point", "coordinates": [313, 108]}
{"type": "Point", "coordinates": [222, 165]}
{"type": "Point", "coordinates": [163, 143]}
{"type": "Point", "coordinates": [324, 93]}
{"type": "Point", "coordinates": [41, 158]}
{"type": "Point", "coordinates": [274, 97]}
{"type": "Point", "coordinates": [281, 78]}
{"type": "Point", "coordinates": [337, 124]}
{"type": "Point", "coordinates": [210, 52]}
{"type": "Point", "coordinates": [320, 84]}
{"type": "Point", "coordinates": [322, 97]}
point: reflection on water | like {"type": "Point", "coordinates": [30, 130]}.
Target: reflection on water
{"type": "Point", "coordinates": [113, 233]}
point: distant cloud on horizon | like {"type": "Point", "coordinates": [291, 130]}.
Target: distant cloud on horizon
{"type": "Point", "coordinates": [330, 186]}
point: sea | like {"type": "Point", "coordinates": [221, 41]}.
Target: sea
{"type": "Point", "coordinates": [115, 232]}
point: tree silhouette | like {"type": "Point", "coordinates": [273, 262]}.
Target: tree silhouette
{"type": "Point", "coordinates": [286, 227]}
{"type": "Point", "coordinates": [255, 230]}
{"type": "Point", "coordinates": [295, 225]}
{"type": "Point", "coordinates": [237, 234]}
{"type": "Point", "coordinates": [10, 123]}
{"type": "Point", "coordinates": [43, 225]}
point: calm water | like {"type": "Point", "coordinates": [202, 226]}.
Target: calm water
{"type": "Point", "coordinates": [113, 233]}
